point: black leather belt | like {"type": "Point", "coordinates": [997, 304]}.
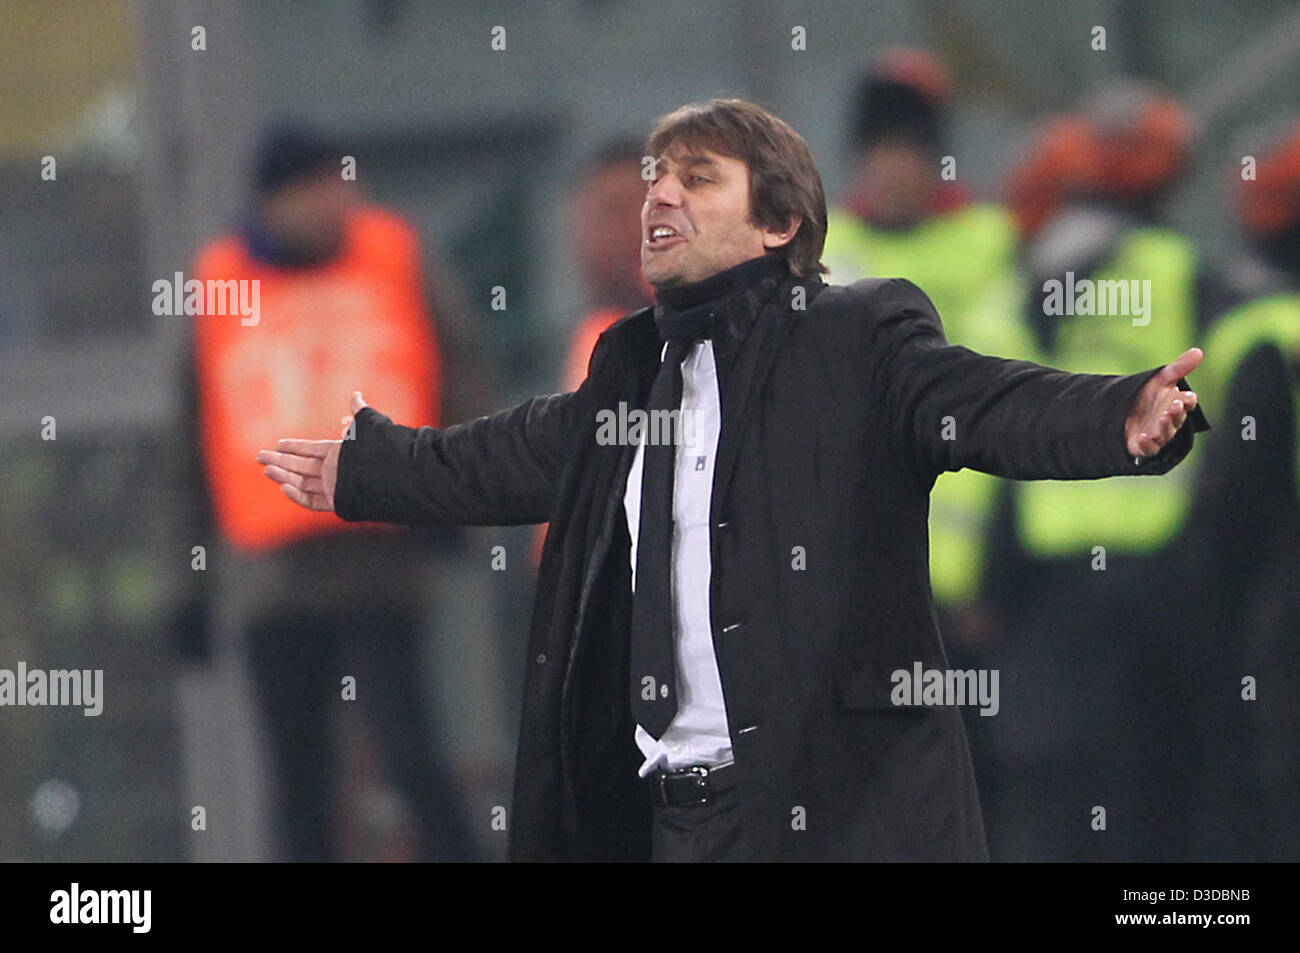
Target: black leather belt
{"type": "Point", "coordinates": [695, 786]}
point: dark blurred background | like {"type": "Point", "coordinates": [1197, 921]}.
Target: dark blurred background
{"type": "Point", "coordinates": [483, 152]}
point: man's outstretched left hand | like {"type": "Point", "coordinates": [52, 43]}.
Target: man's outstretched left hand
{"type": "Point", "coordinates": [1161, 407]}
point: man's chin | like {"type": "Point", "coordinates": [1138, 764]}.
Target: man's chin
{"type": "Point", "coordinates": [666, 282]}
{"type": "Point", "coordinates": [667, 278]}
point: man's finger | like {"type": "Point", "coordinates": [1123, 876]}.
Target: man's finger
{"type": "Point", "coordinates": [307, 448]}
{"type": "Point", "coordinates": [1183, 365]}
{"type": "Point", "coordinates": [308, 466]}
{"type": "Point", "coordinates": [313, 501]}
{"type": "Point", "coordinates": [312, 485]}
{"type": "Point", "coordinates": [281, 475]}
{"type": "Point", "coordinates": [308, 484]}
{"type": "Point", "coordinates": [357, 401]}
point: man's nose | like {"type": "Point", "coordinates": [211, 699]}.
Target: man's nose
{"type": "Point", "coordinates": [667, 191]}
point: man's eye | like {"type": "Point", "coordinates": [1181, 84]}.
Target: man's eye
{"type": "Point", "coordinates": [697, 178]}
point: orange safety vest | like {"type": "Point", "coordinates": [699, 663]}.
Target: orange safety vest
{"type": "Point", "coordinates": [359, 322]}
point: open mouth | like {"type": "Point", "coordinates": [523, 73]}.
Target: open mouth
{"type": "Point", "coordinates": [663, 236]}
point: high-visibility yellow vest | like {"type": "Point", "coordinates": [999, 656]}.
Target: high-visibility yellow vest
{"type": "Point", "coordinates": [1057, 518]}
{"type": "Point", "coordinates": [1274, 319]}
{"type": "Point", "coordinates": [965, 262]}
{"type": "Point", "coordinates": [959, 259]}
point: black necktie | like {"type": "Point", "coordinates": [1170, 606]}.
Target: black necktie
{"type": "Point", "coordinates": [653, 668]}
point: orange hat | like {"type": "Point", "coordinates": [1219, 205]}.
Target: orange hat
{"type": "Point", "coordinates": [1129, 143]}
{"type": "Point", "coordinates": [1143, 138]}
{"type": "Point", "coordinates": [1270, 204]}
{"type": "Point", "coordinates": [1062, 163]}
{"type": "Point", "coordinates": [917, 69]}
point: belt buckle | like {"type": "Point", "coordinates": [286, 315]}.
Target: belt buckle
{"type": "Point", "coordinates": [700, 774]}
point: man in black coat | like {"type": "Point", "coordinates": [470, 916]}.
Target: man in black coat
{"type": "Point", "coordinates": [754, 699]}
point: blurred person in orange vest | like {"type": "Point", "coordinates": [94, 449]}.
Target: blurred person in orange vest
{"type": "Point", "coordinates": [605, 220]}
{"type": "Point", "coordinates": [343, 298]}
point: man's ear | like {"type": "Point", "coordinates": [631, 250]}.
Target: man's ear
{"type": "Point", "coordinates": [777, 239]}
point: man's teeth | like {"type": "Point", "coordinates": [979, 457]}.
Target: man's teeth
{"type": "Point", "coordinates": [662, 231]}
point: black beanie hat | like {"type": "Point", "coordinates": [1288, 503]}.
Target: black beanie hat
{"type": "Point", "coordinates": [886, 108]}
{"type": "Point", "coordinates": [290, 150]}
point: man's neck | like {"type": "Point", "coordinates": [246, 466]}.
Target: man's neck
{"type": "Point", "coordinates": [264, 246]}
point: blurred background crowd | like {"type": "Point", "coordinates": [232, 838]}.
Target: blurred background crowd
{"type": "Point", "coordinates": [490, 233]}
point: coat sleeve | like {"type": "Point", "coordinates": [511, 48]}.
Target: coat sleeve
{"type": "Point", "coordinates": [497, 470]}
{"type": "Point", "coordinates": [949, 407]}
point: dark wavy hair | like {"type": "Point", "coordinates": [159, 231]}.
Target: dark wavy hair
{"type": "Point", "coordinates": [783, 179]}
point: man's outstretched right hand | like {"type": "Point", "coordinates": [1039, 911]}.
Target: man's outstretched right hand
{"type": "Point", "coordinates": [308, 470]}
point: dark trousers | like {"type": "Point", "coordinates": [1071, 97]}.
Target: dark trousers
{"type": "Point", "coordinates": [299, 661]}
{"type": "Point", "coordinates": [1103, 702]}
{"type": "Point", "coordinates": [706, 834]}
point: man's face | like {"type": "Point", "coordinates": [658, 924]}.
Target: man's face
{"type": "Point", "coordinates": [607, 233]}
{"type": "Point", "coordinates": [309, 214]}
{"type": "Point", "coordinates": [703, 198]}
{"type": "Point", "coordinates": [895, 180]}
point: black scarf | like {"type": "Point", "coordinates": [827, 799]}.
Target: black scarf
{"type": "Point", "coordinates": [722, 307]}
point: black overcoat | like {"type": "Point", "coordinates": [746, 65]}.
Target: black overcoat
{"type": "Point", "coordinates": [848, 403]}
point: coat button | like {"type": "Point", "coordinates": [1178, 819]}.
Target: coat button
{"type": "Point", "coordinates": [541, 659]}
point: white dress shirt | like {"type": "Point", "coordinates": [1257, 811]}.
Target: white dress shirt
{"type": "Point", "coordinates": [698, 733]}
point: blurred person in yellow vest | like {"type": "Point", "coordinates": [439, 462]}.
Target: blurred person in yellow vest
{"type": "Point", "coordinates": [1103, 715]}
{"type": "Point", "coordinates": [605, 221]}
{"type": "Point", "coordinates": [906, 215]}
{"type": "Point", "coordinates": [1247, 514]}
{"type": "Point", "coordinates": [1110, 284]}
{"type": "Point", "coordinates": [343, 301]}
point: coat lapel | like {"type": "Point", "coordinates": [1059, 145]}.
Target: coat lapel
{"type": "Point", "coordinates": [753, 364]}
